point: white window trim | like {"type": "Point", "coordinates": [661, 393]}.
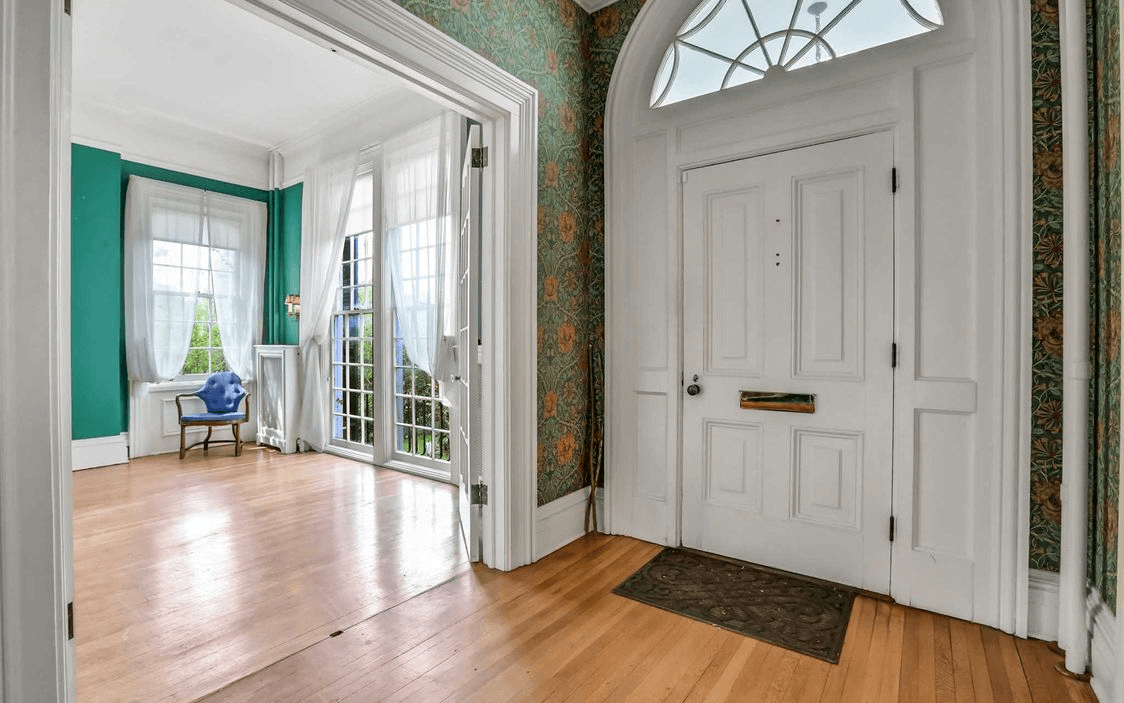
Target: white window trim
{"type": "Point", "coordinates": [370, 161]}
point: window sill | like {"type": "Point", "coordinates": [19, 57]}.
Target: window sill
{"type": "Point", "coordinates": [185, 385]}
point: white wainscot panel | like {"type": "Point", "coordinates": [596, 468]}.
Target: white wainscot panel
{"type": "Point", "coordinates": [650, 255]}
{"type": "Point", "coordinates": [733, 463]}
{"type": "Point", "coordinates": [829, 289]}
{"type": "Point", "coordinates": [735, 246]}
{"type": "Point", "coordinates": [946, 232]}
{"type": "Point", "coordinates": [827, 482]}
{"type": "Point", "coordinates": [171, 419]}
{"type": "Point", "coordinates": [945, 474]}
{"type": "Point", "coordinates": [651, 446]}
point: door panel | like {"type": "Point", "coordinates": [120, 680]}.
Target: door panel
{"type": "Point", "coordinates": [467, 382]}
{"type": "Point", "coordinates": [736, 313]}
{"type": "Point", "coordinates": [788, 281]}
{"type": "Point", "coordinates": [829, 254]}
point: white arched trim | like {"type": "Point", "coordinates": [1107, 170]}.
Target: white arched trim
{"type": "Point", "coordinates": [974, 73]}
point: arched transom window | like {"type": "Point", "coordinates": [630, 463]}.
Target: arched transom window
{"type": "Point", "coordinates": [725, 43]}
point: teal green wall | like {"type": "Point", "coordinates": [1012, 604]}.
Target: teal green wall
{"type": "Point", "coordinates": [97, 362]}
{"type": "Point", "coordinates": [100, 378]}
{"type": "Point", "coordinates": [283, 272]}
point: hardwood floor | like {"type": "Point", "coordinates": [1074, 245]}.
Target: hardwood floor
{"type": "Point", "coordinates": [189, 576]}
{"type": "Point", "coordinates": [554, 632]}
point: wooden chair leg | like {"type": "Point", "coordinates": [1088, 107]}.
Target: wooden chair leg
{"type": "Point", "coordinates": [207, 439]}
{"type": "Point", "coordinates": [237, 439]}
{"type": "Point", "coordinates": [183, 441]}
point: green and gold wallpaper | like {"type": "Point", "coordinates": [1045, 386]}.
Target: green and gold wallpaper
{"type": "Point", "coordinates": [1104, 412]}
{"type": "Point", "coordinates": [1046, 378]}
{"type": "Point", "coordinates": [1046, 410]}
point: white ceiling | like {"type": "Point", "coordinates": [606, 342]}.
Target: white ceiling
{"type": "Point", "coordinates": [214, 66]}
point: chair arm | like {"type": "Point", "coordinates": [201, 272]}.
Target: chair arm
{"type": "Point", "coordinates": [247, 400]}
{"type": "Point", "coordinates": [179, 408]}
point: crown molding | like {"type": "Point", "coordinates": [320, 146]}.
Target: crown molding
{"type": "Point", "coordinates": [157, 140]}
{"type": "Point", "coordinates": [592, 6]}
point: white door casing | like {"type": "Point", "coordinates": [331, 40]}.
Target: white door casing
{"type": "Point", "coordinates": [36, 581]}
{"type": "Point", "coordinates": [956, 102]}
{"type": "Point", "coordinates": [788, 288]}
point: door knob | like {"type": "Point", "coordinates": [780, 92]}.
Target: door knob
{"type": "Point", "coordinates": [694, 388]}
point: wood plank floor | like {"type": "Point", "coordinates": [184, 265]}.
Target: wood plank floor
{"type": "Point", "coordinates": [189, 576]}
{"type": "Point", "coordinates": [554, 632]}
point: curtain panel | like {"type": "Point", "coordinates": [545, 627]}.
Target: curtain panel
{"type": "Point", "coordinates": [326, 201]}
{"type": "Point", "coordinates": [181, 243]}
{"type": "Point", "coordinates": [420, 169]}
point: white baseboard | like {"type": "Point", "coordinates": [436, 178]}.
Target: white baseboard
{"type": "Point", "coordinates": [99, 451]}
{"type": "Point", "coordinates": [562, 521]}
{"type": "Point", "coordinates": [1102, 651]}
{"type": "Point", "coordinates": [1042, 606]}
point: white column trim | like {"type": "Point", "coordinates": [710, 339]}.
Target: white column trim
{"type": "Point", "coordinates": [1073, 636]}
{"type": "Point", "coordinates": [35, 538]}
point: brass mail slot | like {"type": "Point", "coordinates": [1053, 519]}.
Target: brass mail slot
{"type": "Point", "coordinates": [779, 402]}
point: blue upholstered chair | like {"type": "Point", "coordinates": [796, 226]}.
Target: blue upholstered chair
{"type": "Point", "coordinates": [222, 393]}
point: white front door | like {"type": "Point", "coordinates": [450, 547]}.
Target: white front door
{"type": "Point", "coordinates": [465, 411]}
{"type": "Point", "coordinates": [788, 290]}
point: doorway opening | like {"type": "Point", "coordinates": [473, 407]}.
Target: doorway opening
{"type": "Point", "coordinates": [499, 218]}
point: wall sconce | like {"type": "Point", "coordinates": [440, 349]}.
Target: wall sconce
{"type": "Point", "coordinates": [293, 305]}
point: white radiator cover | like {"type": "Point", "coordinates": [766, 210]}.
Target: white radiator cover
{"type": "Point", "coordinates": [275, 367]}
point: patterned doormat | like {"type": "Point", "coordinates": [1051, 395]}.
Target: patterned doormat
{"type": "Point", "coordinates": [803, 614]}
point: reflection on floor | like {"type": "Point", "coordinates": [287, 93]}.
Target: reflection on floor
{"type": "Point", "coordinates": [189, 575]}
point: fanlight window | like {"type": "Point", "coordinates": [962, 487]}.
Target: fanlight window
{"type": "Point", "coordinates": [725, 43]}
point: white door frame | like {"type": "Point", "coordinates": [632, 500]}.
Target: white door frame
{"type": "Point", "coordinates": [35, 475]}
{"type": "Point", "coordinates": [648, 150]}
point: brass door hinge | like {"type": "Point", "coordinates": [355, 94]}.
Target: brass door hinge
{"type": "Point", "coordinates": [480, 157]}
{"type": "Point", "coordinates": [479, 494]}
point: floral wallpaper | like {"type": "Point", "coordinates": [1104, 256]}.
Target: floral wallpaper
{"type": "Point", "coordinates": [1046, 379]}
{"type": "Point", "coordinates": [1104, 415]}
{"type": "Point", "coordinates": [546, 44]}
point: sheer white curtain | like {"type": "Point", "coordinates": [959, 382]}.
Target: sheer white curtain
{"type": "Point", "coordinates": [419, 177]}
{"type": "Point", "coordinates": [160, 293]}
{"type": "Point", "coordinates": [237, 261]}
{"type": "Point", "coordinates": [180, 242]}
{"type": "Point", "coordinates": [326, 200]}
